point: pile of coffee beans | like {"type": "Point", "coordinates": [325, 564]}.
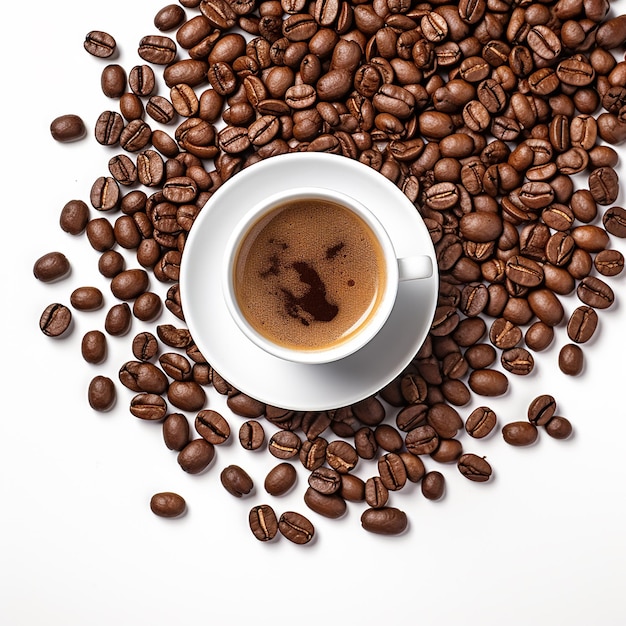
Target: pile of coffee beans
{"type": "Point", "coordinates": [496, 118]}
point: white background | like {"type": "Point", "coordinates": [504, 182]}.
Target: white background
{"type": "Point", "coordinates": [543, 543]}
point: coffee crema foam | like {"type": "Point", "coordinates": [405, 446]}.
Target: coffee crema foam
{"type": "Point", "coordinates": [309, 275]}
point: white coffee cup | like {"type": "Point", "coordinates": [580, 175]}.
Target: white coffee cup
{"type": "Point", "coordinates": [396, 270]}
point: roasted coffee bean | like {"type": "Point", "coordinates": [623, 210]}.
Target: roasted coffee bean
{"type": "Point", "coordinates": [143, 376]}
{"type": "Point", "coordinates": [609, 262]}
{"type": "Point", "coordinates": [604, 185]}
{"type": "Point", "coordinates": [51, 266]}
{"type": "Point", "coordinates": [614, 221]}
{"type": "Point", "coordinates": [313, 453]}
{"type": "Point", "coordinates": [433, 485]}
{"type": "Point", "coordinates": [480, 356]}
{"type": "Point", "coordinates": [86, 298]}
{"type": "Point", "coordinates": [236, 481]}
{"type": "Point", "coordinates": [109, 127]}
{"type": "Point", "coordinates": [196, 456]}
{"type": "Point", "coordinates": [295, 527]}
{"type": "Point", "coordinates": [444, 419]}
{"type": "Point", "coordinates": [176, 431]}
{"type": "Point", "coordinates": [56, 320]}
{"type": "Point", "coordinates": [129, 284]}
{"type": "Point", "coordinates": [571, 359]}
{"type": "Point", "coordinates": [341, 456]}
{"type": "Point", "coordinates": [422, 440]}
{"type": "Point", "coordinates": [539, 336]}
{"type": "Point", "coordinates": [332, 506]}
{"type": "Point", "coordinates": [186, 395]}
{"type": "Point", "coordinates": [376, 494]}
{"type": "Point", "coordinates": [559, 427]}
{"type": "Point", "coordinates": [480, 422]}
{"type": "Point", "coordinates": [93, 346]}
{"type": "Point", "coordinates": [66, 128]}
{"type": "Point", "coordinates": [212, 426]}
{"type": "Point", "coordinates": [520, 433]}
{"type": "Point", "coordinates": [251, 435]}
{"type": "Point", "coordinates": [474, 468]}
{"type": "Point", "coordinates": [100, 44]}
{"type": "Point", "coordinates": [352, 488]}
{"type": "Point", "coordinates": [263, 523]}
{"type": "Point", "coordinates": [167, 504]}
{"type": "Point", "coordinates": [148, 406]}
{"type": "Point", "coordinates": [517, 361]}
{"type": "Point", "coordinates": [284, 444]}
{"type": "Point", "coordinates": [541, 409]}
{"type": "Point", "coordinates": [488, 382]}
{"type": "Point", "coordinates": [384, 521]}
{"type": "Point", "coordinates": [325, 480]}
{"type": "Point", "coordinates": [174, 337]}
{"type": "Point", "coordinates": [157, 49]}
{"type": "Point", "coordinates": [595, 293]}
{"type": "Point", "coordinates": [101, 393]}
{"type": "Point", "coordinates": [504, 335]}
{"type": "Point", "coordinates": [582, 324]}
{"type": "Point", "coordinates": [118, 320]}
{"type": "Point", "coordinates": [392, 471]}
{"type": "Point", "coordinates": [113, 81]}
{"type": "Point", "coordinates": [74, 217]}
{"type": "Point", "coordinates": [280, 479]}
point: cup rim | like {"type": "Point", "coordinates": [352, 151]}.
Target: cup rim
{"type": "Point", "coordinates": [363, 336]}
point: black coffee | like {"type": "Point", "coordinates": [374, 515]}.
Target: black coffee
{"type": "Point", "coordinates": [309, 275]}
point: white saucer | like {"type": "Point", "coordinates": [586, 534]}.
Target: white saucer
{"type": "Point", "coordinates": [267, 378]}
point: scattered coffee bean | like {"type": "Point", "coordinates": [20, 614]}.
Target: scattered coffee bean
{"type": "Point", "coordinates": [474, 468]}
{"type": "Point", "coordinates": [251, 435]}
{"type": "Point", "coordinates": [571, 359]}
{"type": "Point", "coordinates": [176, 431]}
{"type": "Point", "coordinates": [55, 320]}
{"type": "Point", "coordinates": [480, 422]}
{"type": "Point", "coordinates": [332, 506]}
{"type": "Point", "coordinates": [94, 346]}
{"type": "Point", "coordinates": [51, 266]}
{"type": "Point", "coordinates": [280, 479]}
{"type": "Point", "coordinates": [167, 504]}
{"type": "Point", "coordinates": [295, 527]}
{"type": "Point", "coordinates": [520, 433]}
{"type": "Point", "coordinates": [236, 481]}
{"type": "Point", "coordinates": [384, 521]}
{"type": "Point", "coordinates": [559, 427]}
{"type": "Point", "coordinates": [433, 485]}
{"type": "Point", "coordinates": [196, 456]}
{"type": "Point", "coordinates": [285, 444]}
{"type": "Point", "coordinates": [541, 410]}
{"type": "Point", "coordinates": [263, 522]}
{"type": "Point", "coordinates": [67, 128]}
{"type": "Point", "coordinates": [101, 393]}
{"type": "Point", "coordinates": [100, 44]}
{"type": "Point", "coordinates": [86, 298]}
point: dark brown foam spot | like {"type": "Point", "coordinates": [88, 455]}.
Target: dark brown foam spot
{"type": "Point", "coordinates": [313, 305]}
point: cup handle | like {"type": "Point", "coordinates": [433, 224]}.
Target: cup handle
{"type": "Point", "coordinates": [413, 267]}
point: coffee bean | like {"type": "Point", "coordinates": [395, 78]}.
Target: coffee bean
{"type": "Point", "coordinates": [129, 284]}
{"type": "Point", "coordinates": [236, 481]}
{"type": "Point", "coordinates": [186, 395]}
{"type": "Point", "coordinates": [384, 521]}
{"type": "Point", "coordinates": [284, 444]}
{"type": "Point", "coordinates": [56, 320]}
{"type": "Point", "coordinates": [376, 493]}
{"type": "Point", "coordinates": [101, 393]}
{"type": "Point", "coordinates": [541, 409]}
{"type": "Point", "coordinates": [251, 435]}
{"type": "Point", "coordinates": [263, 523]}
{"type": "Point", "coordinates": [341, 456]}
{"type": "Point", "coordinates": [74, 217]}
{"type": "Point", "coordinates": [582, 324]}
{"type": "Point", "coordinates": [280, 479]}
{"type": "Point", "coordinates": [517, 361]}
{"type": "Point", "coordinates": [571, 360]}
{"type": "Point", "coordinates": [167, 504]}
{"type": "Point", "coordinates": [520, 433]}
{"type": "Point", "coordinates": [332, 506]}
{"type": "Point", "coordinates": [539, 336]}
{"type": "Point", "coordinates": [196, 456]}
{"type": "Point", "coordinates": [609, 262]}
{"type": "Point", "coordinates": [176, 431]}
{"type": "Point", "coordinates": [313, 453]}
{"type": "Point", "coordinates": [94, 346]}
{"type": "Point", "coordinates": [51, 266]}
{"type": "Point", "coordinates": [66, 128]}
{"type": "Point", "coordinates": [433, 485]}
{"type": "Point", "coordinates": [422, 440]}
{"type": "Point", "coordinates": [118, 320]}
{"type": "Point", "coordinates": [148, 406]}
{"type": "Point", "coordinates": [474, 468]}
{"type": "Point", "coordinates": [488, 382]}
{"type": "Point", "coordinates": [614, 220]}
{"type": "Point", "coordinates": [212, 426]}
{"type": "Point", "coordinates": [100, 44]}
{"type": "Point", "coordinates": [559, 427]}
{"type": "Point", "coordinates": [295, 527]}
{"type": "Point", "coordinates": [86, 298]}
{"type": "Point", "coordinates": [480, 422]}
{"type": "Point", "coordinates": [595, 293]}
